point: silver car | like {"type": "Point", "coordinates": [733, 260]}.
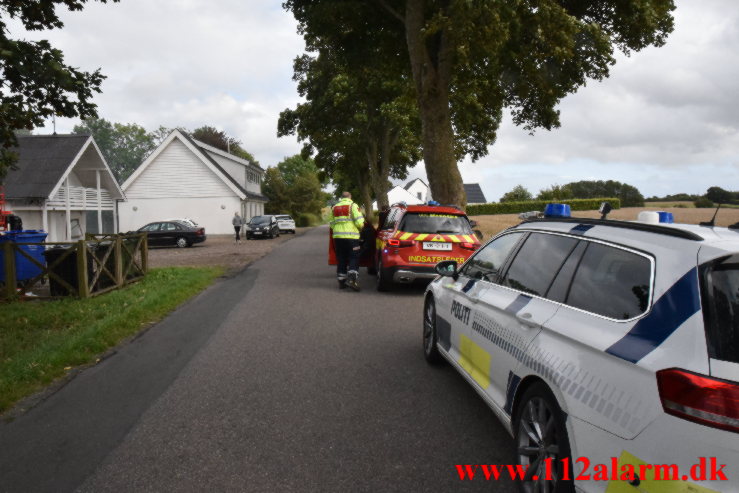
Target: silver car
{"type": "Point", "coordinates": [286, 223]}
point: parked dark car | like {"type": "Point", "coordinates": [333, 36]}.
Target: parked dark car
{"type": "Point", "coordinates": [174, 233]}
{"type": "Point", "coordinates": [262, 227]}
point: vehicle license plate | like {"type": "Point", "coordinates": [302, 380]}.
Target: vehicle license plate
{"type": "Point", "coordinates": [430, 245]}
{"type": "Point", "coordinates": [257, 232]}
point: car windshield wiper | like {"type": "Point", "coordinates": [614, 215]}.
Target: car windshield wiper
{"type": "Point", "coordinates": [446, 231]}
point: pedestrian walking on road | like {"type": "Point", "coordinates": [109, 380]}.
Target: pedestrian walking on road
{"type": "Point", "coordinates": [237, 221]}
{"type": "Point", "coordinates": [346, 221]}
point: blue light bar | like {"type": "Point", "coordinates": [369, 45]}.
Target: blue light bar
{"type": "Point", "coordinates": [557, 210]}
{"type": "Point", "coordinates": [666, 217]}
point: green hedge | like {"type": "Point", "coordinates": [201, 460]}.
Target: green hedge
{"type": "Point", "coordinates": [538, 205]}
{"type": "Point", "coordinates": [703, 203]}
{"type": "Point", "coordinates": [306, 219]}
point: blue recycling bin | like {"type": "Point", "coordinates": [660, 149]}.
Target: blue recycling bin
{"type": "Point", "coordinates": [24, 268]}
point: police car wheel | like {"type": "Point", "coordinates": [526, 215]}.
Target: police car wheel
{"type": "Point", "coordinates": [541, 434]}
{"type": "Point", "coordinates": [430, 339]}
{"type": "Point", "coordinates": [384, 283]}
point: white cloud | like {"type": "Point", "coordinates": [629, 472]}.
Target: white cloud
{"type": "Point", "coordinates": [667, 120]}
{"type": "Point", "coordinates": [189, 63]}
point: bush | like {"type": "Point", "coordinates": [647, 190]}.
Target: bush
{"type": "Point", "coordinates": [703, 203]}
{"type": "Point", "coordinates": [306, 219]}
{"type": "Point", "coordinates": [538, 205]}
{"type": "Point", "coordinates": [518, 194]}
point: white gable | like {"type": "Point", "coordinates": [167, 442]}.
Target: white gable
{"type": "Point", "coordinates": [419, 190]}
{"type": "Point", "coordinates": [400, 194]}
{"type": "Point", "coordinates": [176, 172]}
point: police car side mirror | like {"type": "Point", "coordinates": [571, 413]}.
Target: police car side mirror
{"type": "Point", "coordinates": [447, 268]}
{"type": "Point", "coordinates": [473, 223]}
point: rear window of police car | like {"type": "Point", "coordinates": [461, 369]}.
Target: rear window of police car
{"type": "Point", "coordinates": [420, 222]}
{"type": "Point", "coordinates": [597, 278]}
{"type": "Point", "coordinates": [720, 285]}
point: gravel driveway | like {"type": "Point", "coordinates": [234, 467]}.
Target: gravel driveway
{"type": "Point", "coordinates": [218, 250]}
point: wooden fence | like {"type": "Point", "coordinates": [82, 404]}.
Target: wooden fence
{"type": "Point", "coordinates": [85, 268]}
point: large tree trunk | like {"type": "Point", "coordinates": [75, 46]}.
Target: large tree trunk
{"type": "Point", "coordinates": [382, 175]}
{"type": "Point", "coordinates": [431, 62]}
{"type": "Point", "coordinates": [365, 191]}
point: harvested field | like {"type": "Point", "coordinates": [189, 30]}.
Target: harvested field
{"type": "Point", "coordinates": [492, 225]}
{"type": "Point", "coordinates": [217, 250]}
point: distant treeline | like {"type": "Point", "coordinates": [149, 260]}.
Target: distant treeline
{"type": "Point", "coordinates": [629, 195]}
{"type": "Point", "coordinates": [713, 196]}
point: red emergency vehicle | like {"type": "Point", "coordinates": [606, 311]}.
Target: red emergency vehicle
{"type": "Point", "coordinates": [412, 239]}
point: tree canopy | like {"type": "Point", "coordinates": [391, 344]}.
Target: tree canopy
{"type": "Point", "coordinates": [220, 140]}
{"type": "Point", "coordinates": [360, 116]}
{"type": "Point", "coordinates": [589, 189]}
{"type": "Point", "coordinates": [471, 59]}
{"type": "Point", "coordinates": [718, 195]}
{"type": "Point", "coordinates": [519, 193]}
{"type": "Point", "coordinates": [124, 145]}
{"type": "Point", "coordinates": [293, 187]}
{"type": "Point", "coordinates": [35, 82]}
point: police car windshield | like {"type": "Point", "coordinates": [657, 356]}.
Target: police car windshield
{"type": "Point", "coordinates": [259, 219]}
{"type": "Point", "coordinates": [721, 307]}
{"type": "Point", "coordinates": [418, 222]}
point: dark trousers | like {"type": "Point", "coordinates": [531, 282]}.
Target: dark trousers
{"type": "Point", "coordinates": [347, 254]}
{"type": "Point", "coordinates": [237, 230]}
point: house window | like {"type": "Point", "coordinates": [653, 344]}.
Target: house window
{"type": "Point", "coordinates": [419, 196]}
{"type": "Point", "coordinates": [91, 222]}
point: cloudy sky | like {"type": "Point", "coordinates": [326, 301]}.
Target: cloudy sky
{"type": "Point", "coordinates": [666, 120]}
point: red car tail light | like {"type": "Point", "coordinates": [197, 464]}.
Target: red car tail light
{"type": "Point", "coordinates": [200, 232]}
{"type": "Point", "coordinates": [400, 243]}
{"type": "Point", "coordinates": [705, 400]}
{"type": "Point", "coordinates": [470, 246]}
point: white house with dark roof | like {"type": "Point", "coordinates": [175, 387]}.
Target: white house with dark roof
{"type": "Point", "coordinates": [62, 185]}
{"type": "Point", "coordinates": [419, 190]}
{"type": "Point", "coordinates": [186, 178]}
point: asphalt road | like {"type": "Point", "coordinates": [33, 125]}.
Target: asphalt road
{"type": "Point", "coordinates": [272, 380]}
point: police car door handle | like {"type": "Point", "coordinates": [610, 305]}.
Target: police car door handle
{"type": "Point", "coordinates": [525, 318]}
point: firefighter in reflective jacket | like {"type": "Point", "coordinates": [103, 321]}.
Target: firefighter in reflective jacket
{"type": "Point", "coordinates": [346, 221]}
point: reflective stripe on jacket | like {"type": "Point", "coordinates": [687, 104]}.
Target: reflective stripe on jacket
{"type": "Point", "coordinates": [346, 220]}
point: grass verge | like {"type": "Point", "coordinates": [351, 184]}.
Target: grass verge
{"type": "Point", "coordinates": [42, 341]}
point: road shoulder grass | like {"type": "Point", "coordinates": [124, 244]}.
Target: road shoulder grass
{"type": "Point", "coordinates": [41, 341]}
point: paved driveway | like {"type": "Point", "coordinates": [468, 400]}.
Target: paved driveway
{"type": "Point", "coordinates": [271, 380]}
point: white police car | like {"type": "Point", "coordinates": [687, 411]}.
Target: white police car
{"type": "Point", "coordinates": [609, 350]}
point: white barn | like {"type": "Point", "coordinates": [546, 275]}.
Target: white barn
{"type": "Point", "coordinates": [186, 178]}
{"type": "Point", "coordinates": [62, 185]}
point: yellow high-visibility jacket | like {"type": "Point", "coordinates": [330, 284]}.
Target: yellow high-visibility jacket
{"type": "Point", "coordinates": [346, 220]}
